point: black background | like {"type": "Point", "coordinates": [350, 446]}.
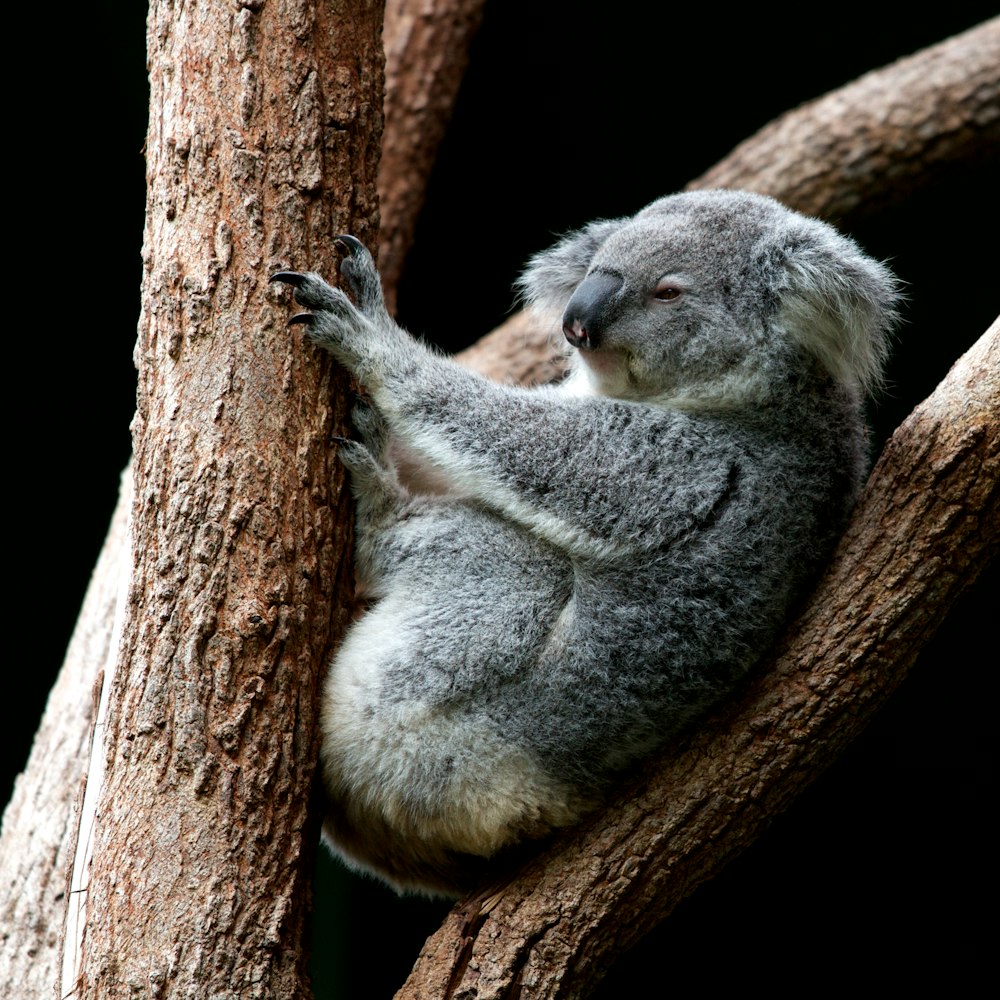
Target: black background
{"type": "Point", "coordinates": [874, 877]}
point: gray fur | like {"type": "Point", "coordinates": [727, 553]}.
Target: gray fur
{"type": "Point", "coordinates": [613, 554]}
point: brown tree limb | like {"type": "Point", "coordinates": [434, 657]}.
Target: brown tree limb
{"type": "Point", "coordinates": [426, 52]}
{"type": "Point", "coordinates": [39, 824]}
{"type": "Point", "coordinates": [857, 149]}
{"type": "Point", "coordinates": [926, 525]}
{"type": "Point", "coordinates": [193, 861]}
{"type": "Point", "coordinates": [879, 139]}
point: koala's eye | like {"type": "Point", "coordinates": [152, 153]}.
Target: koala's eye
{"type": "Point", "coordinates": [665, 291]}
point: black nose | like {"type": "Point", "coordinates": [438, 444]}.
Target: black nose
{"type": "Point", "coordinates": [590, 308]}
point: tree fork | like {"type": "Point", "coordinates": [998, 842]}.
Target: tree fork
{"type": "Point", "coordinates": [37, 823]}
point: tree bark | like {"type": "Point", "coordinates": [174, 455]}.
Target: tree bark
{"type": "Point", "coordinates": [426, 52]}
{"type": "Point", "coordinates": [196, 841]}
{"type": "Point", "coordinates": [927, 524]}
{"type": "Point", "coordinates": [878, 140]}
{"type": "Point", "coordinates": [40, 822]}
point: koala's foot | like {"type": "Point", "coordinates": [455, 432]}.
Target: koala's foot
{"type": "Point", "coordinates": [334, 322]}
{"type": "Point", "coordinates": [359, 333]}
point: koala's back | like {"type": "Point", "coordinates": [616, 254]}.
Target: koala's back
{"type": "Point", "coordinates": [500, 683]}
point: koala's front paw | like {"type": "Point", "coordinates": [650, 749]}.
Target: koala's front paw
{"type": "Point", "coordinates": [334, 321]}
{"type": "Point", "coordinates": [362, 337]}
{"type": "Point", "coordinates": [360, 275]}
{"type": "Point", "coordinates": [313, 292]}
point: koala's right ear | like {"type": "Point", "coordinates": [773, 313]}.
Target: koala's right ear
{"type": "Point", "coordinates": [552, 275]}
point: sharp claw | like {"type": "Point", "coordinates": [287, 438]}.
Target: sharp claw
{"type": "Point", "coordinates": [302, 319]}
{"type": "Point", "coordinates": [288, 277]}
{"type": "Point", "coordinates": [349, 244]}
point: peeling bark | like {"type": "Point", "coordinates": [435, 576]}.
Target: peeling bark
{"type": "Point", "coordinates": [40, 823]}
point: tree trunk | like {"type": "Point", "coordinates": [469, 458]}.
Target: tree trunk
{"type": "Point", "coordinates": [196, 842]}
{"type": "Point", "coordinates": [429, 47]}
{"type": "Point", "coordinates": [426, 52]}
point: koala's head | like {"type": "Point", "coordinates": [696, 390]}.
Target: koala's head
{"type": "Point", "coordinates": [705, 299]}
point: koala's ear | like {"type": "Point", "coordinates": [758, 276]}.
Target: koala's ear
{"type": "Point", "coordinates": [552, 275]}
{"type": "Point", "coordinates": [837, 303]}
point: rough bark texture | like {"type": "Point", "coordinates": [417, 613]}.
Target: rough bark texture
{"type": "Point", "coordinates": [927, 524]}
{"type": "Point", "coordinates": [263, 144]}
{"type": "Point", "coordinates": [426, 52]}
{"type": "Point", "coordinates": [855, 150]}
{"type": "Point", "coordinates": [318, 137]}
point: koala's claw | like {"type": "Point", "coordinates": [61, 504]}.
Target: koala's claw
{"type": "Point", "coordinates": [359, 273]}
{"type": "Point", "coordinates": [302, 319]}
{"type": "Point", "coordinates": [350, 244]}
{"type": "Point", "coordinates": [289, 278]}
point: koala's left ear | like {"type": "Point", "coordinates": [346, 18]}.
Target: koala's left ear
{"type": "Point", "coordinates": [552, 275]}
{"type": "Point", "coordinates": [838, 303]}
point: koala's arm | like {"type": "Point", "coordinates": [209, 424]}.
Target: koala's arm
{"type": "Point", "coordinates": [522, 452]}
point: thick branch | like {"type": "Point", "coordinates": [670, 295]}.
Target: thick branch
{"type": "Point", "coordinates": [927, 524]}
{"type": "Point", "coordinates": [194, 856]}
{"type": "Point", "coordinates": [882, 137]}
{"type": "Point", "coordinates": [39, 824]}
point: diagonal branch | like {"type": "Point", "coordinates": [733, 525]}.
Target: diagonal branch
{"type": "Point", "coordinates": [879, 139]}
{"type": "Point", "coordinates": [927, 524]}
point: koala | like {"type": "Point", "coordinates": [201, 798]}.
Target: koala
{"type": "Point", "coordinates": [610, 555]}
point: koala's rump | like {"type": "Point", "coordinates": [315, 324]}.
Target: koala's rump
{"type": "Point", "coordinates": [418, 741]}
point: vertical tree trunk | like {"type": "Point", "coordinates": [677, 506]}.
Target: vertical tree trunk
{"type": "Point", "coordinates": [195, 841]}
